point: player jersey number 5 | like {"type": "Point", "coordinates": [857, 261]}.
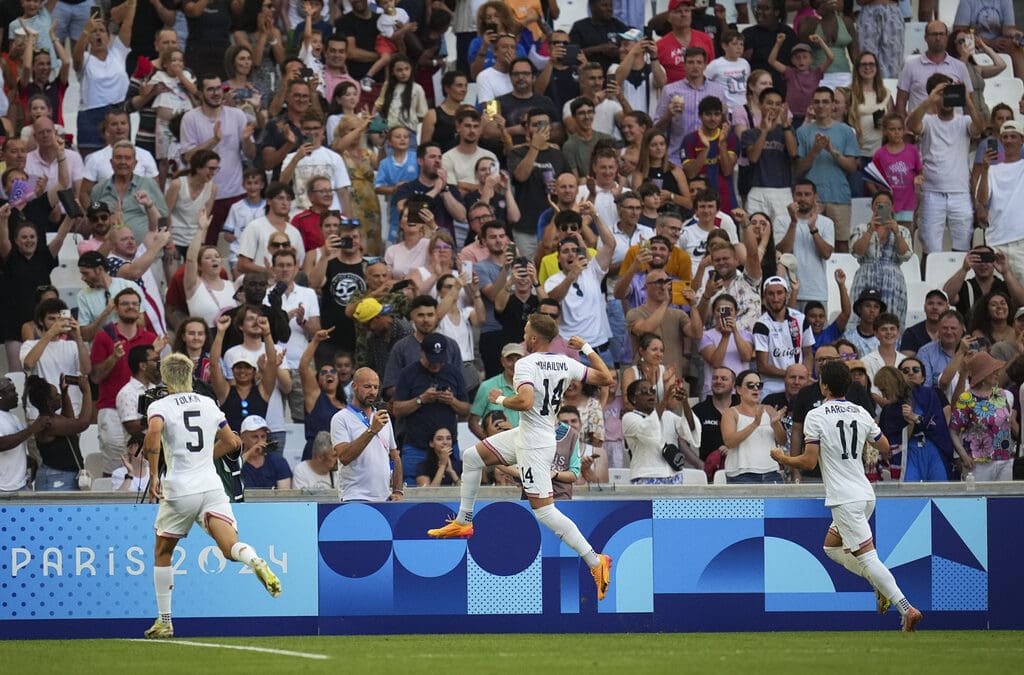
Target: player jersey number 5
{"type": "Point", "coordinates": [195, 431]}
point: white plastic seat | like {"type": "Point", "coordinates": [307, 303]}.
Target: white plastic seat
{"type": "Point", "coordinates": [618, 476]}
{"type": "Point", "coordinates": [1004, 90]}
{"type": "Point", "coordinates": [694, 477]}
{"type": "Point", "coordinates": [914, 317]}
{"type": "Point", "coordinates": [939, 267]}
{"type": "Point", "coordinates": [916, 292]}
{"type": "Point", "coordinates": [913, 38]}
{"type": "Point", "coordinates": [911, 269]}
{"type": "Point", "coordinates": [89, 442]}
{"type": "Point", "coordinates": [102, 485]}
{"type": "Point", "coordinates": [719, 478]}
{"type": "Point", "coordinates": [94, 464]}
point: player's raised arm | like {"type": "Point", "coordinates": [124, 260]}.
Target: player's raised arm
{"type": "Point", "coordinates": [151, 446]}
{"type": "Point", "coordinates": [523, 399]}
{"type": "Point", "coordinates": [597, 373]}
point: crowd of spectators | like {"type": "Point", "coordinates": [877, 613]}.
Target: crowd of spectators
{"type": "Point", "coordinates": [320, 211]}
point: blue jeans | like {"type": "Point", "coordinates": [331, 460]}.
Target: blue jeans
{"type": "Point", "coordinates": [755, 478]}
{"type": "Point", "coordinates": [71, 19]}
{"type": "Point", "coordinates": [54, 480]}
{"type": "Point", "coordinates": [621, 350]}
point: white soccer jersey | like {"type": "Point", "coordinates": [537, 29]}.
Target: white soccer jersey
{"type": "Point", "coordinates": [191, 422]}
{"type": "Point", "coordinates": [783, 341]}
{"type": "Point", "coordinates": [550, 375]}
{"type": "Point", "coordinates": [842, 429]}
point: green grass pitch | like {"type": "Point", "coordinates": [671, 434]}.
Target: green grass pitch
{"type": "Point", "coordinates": [927, 653]}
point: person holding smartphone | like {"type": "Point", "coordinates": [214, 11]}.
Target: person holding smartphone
{"type": "Point", "coordinates": [964, 293]}
{"type": "Point", "coordinates": [881, 246]}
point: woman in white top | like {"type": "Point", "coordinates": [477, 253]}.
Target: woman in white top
{"type": "Point", "coordinates": [189, 194]}
{"type": "Point", "coordinates": [649, 367]}
{"type": "Point", "coordinates": [749, 432]}
{"type": "Point", "coordinates": [649, 426]}
{"type": "Point", "coordinates": [101, 73]}
{"type": "Point", "coordinates": [456, 320]}
{"type": "Point", "coordinates": [208, 295]}
{"type": "Point", "coordinates": [440, 261]}
{"type": "Point", "coordinates": [412, 251]}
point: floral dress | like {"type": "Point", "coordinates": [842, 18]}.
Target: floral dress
{"type": "Point", "coordinates": [365, 200]}
{"type": "Point", "coordinates": [984, 425]}
{"type": "Point", "coordinates": [880, 269]}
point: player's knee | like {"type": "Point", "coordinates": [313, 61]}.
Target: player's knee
{"type": "Point", "coordinates": [471, 459]}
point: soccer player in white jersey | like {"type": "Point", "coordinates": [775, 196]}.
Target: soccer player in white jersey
{"type": "Point", "coordinates": [194, 433]}
{"type": "Point", "coordinates": [837, 432]}
{"type": "Point", "coordinates": [540, 379]}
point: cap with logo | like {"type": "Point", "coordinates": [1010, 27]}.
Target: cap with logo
{"type": "Point", "coordinates": [435, 348]}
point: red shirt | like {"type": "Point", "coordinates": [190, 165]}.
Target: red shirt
{"type": "Point", "coordinates": [670, 52]}
{"type": "Point", "coordinates": [102, 347]}
{"type": "Point", "coordinates": [308, 224]}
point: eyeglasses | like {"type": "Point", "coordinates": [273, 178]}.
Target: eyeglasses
{"type": "Point", "coordinates": [442, 246]}
{"type": "Point", "coordinates": [659, 282]}
{"type": "Point", "coordinates": [868, 64]}
{"type": "Point", "coordinates": [826, 359]}
{"type": "Point", "coordinates": [579, 291]}
{"type": "Point", "coordinates": [630, 208]}
{"type": "Point", "coordinates": [848, 357]}
{"type": "Point", "coordinates": [754, 386]}
{"type": "Point", "coordinates": [278, 244]}
{"type": "Point", "coordinates": [328, 371]}
{"type": "Point", "coordinates": [100, 216]}
{"type": "Point", "coordinates": [569, 227]}
{"type": "Point", "coordinates": [911, 370]}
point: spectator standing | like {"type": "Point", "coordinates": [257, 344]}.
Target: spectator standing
{"type": "Point", "coordinates": [647, 428]}
{"type": "Point", "coordinates": [406, 351]}
{"type": "Point", "coordinates": [534, 166]}
{"type": "Point", "coordinates": [912, 89]}
{"type": "Point", "coordinates": [580, 143]}
{"type": "Point", "coordinates": [60, 350]}
{"type": "Point", "coordinates": [965, 293]}
{"type": "Point", "coordinates": [679, 105]}
{"type": "Point", "coordinates": [709, 414]}
{"type": "Point", "coordinates": [996, 24]}
{"type": "Point", "coordinates": [658, 317]}
{"type": "Point", "coordinates": [880, 31]}
{"type": "Point", "coordinates": [672, 47]}
{"type": "Point", "coordinates": [558, 80]}
{"type": "Point", "coordinates": [138, 198]}
{"type": "Point", "coordinates": [838, 33]}
{"type": "Point", "coordinates": [111, 371]}
{"type": "Point", "coordinates": [724, 345]}
{"type": "Point", "coordinates": [226, 131]}
{"type": "Point", "coordinates": [801, 78]}
{"type": "Point", "coordinates": [116, 126]}
{"type": "Point", "coordinates": [710, 151]}
{"type": "Point", "coordinates": [129, 260]}
{"type": "Point", "coordinates": [142, 90]}
{"type": "Point", "coordinates": [901, 166]}
{"type": "Point", "coordinates": [770, 148]}
{"type": "Point", "coordinates": [364, 440]}
{"type": "Point", "coordinates": [598, 34]}
{"type": "Point", "coordinates": [811, 238]}
{"type": "Point", "coordinates": [945, 139]}
{"type": "Point", "coordinates": [442, 199]}
{"type": "Point", "coordinates": [760, 39]}
{"type": "Point", "coordinates": [303, 310]}
{"type": "Point", "coordinates": [495, 81]}
{"type": "Point", "coordinates": [244, 395]}
{"type": "Point", "coordinates": [605, 97]}
{"type": "Point", "coordinates": [940, 356]}
{"type": "Point", "coordinates": [256, 31]}
{"type": "Point", "coordinates": [1001, 190]}
{"type": "Point", "coordinates": [828, 151]}
{"type": "Point", "coordinates": [57, 431]}
{"type": "Point", "coordinates": [144, 365]}
{"type": "Point", "coordinates": [984, 422]}
{"type": "Point", "coordinates": [430, 394]}
{"type": "Point", "coordinates": [312, 159]}
{"type": "Point", "coordinates": [917, 409]}
{"type": "Point", "coordinates": [880, 247]}
{"type": "Point", "coordinates": [190, 194]}
{"type": "Point", "coordinates": [516, 105]}
{"type": "Point", "coordinates": [744, 286]}
{"type": "Point", "coordinates": [460, 162]}
{"type": "Point", "coordinates": [887, 328]}
{"type": "Point", "coordinates": [99, 61]}
{"type": "Point", "coordinates": [781, 337]}
{"type": "Point", "coordinates": [14, 436]}
{"type": "Point", "coordinates": [384, 332]}
{"type": "Point", "coordinates": [50, 153]}
{"type": "Point", "coordinates": [731, 70]}
{"type": "Point", "coordinates": [254, 249]}
{"type": "Point", "coordinates": [209, 36]}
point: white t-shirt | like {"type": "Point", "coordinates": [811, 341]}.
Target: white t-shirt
{"type": "Point", "coordinates": [583, 307]}
{"type": "Point", "coordinates": [128, 400]}
{"type": "Point", "coordinates": [784, 342]}
{"type": "Point", "coordinates": [549, 375]}
{"type": "Point", "coordinates": [604, 116]}
{"type": "Point", "coordinates": [1006, 188]}
{"type": "Point", "coordinates": [321, 162]}
{"type": "Point", "coordinates": [842, 429]}
{"type": "Point", "coordinates": [490, 84]}
{"type": "Point", "coordinates": [97, 165]}
{"type": "Point", "coordinates": [297, 341]}
{"type": "Point", "coordinates": [104, 82]}
{"type": "Point", "coordinates": [254, 240]}
{"type": "Point", "coordinates": [461, 167]}
{"type": "Point", "coordinates": [944, 150]}
{"type": "Point", "coordinates": [387, 24]}
{"type": "Point", "coordinates": [733, 76]}
{"type": "Point", "coordinates": [191, 422]}
{"type": "Point", "coordinates": [240, 215]}
{"type": "Point", "coordinates": [367, 477]}
{"type": "Point", "coordinates": [13, 462]}
{"type": "Point", "coordinates": [813, 280]}
{"type": "Point", "coordinates": [461, 332]}
{"type": "Point", "coordinates": [59, 358]}
{"type": "Point", "coordinates": [694, 239]}
{"type": "Point", "coordinates": [303, 477]}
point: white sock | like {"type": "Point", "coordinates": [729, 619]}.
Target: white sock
{"type": "Point", "coordinates": [566, 530]}
{"type": "Point", "coordinates": [163, 583]}
{"type": "Point", "coordinates": [846, 559]}
{"type": "Point", "coordinates": [882, 579]}
{"type": "Point", "coordinates": [472, 471]}
{"type": "Point", "coordinates": [244, 554]}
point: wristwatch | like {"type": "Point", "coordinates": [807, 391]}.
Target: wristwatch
{"type": "Point", "coordinates": [419, 400]}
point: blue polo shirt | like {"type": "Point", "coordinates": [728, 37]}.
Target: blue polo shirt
{"type": "Point", "coordinates": [421, 425]}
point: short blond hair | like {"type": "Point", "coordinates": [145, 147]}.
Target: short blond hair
{"type": "Point", "coordinates": [176, 372]}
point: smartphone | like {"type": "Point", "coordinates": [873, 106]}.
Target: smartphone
{"type": "Point", "coordinates": [511, 248]}
{"type": "Point", "coordinates": [163, 223]}
{"type": "Point", "coordinates": [492, 108]}
{"type": "Point", "coordinates": [876, 118]}
{"type": "Point", "coordinates": [572, 55]}
{"type": "Point", "coordinates": [305, 72]}
{"type": "Point", "coordinates": [648, 33]}
{"type": "Point", "coordinates": [65, 315]}
{"type": "Point", "coordinates": [347, 243]}
{"type": "Point", "coordinates": [94, 12]}
{"type": "Point", "coordinates": [725, 311]}
{"type": "Point", "coordinates": [305, 139]}
{"type": "Point", "coordinates": [954, 96]}
{"type": "Point", "coordinates": [992, 145]}
{"type": "Point", "coordinates": [986, 256]}
{"type": "Point", "coordinates": [399, 285]}
{"type": "Point", "coordinates": [677, 292]}
{"type": "Point", "coordinates": [978, 344]}
{"type": "Point", "coordinates": [884, 212]}
{"type": "Point", "coordinates": [467, 271]}
{"type": "Point", "coordinates": [72, 379]}
{"type": "Point", "coordinates": [69, 203]}
{"type": "Point", "coordinates": [490, 26]}
{"type": "Point", "coordinates": [270, 447]}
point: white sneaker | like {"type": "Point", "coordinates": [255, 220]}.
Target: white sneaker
{"type": "Point", "coordinates": [267, 577]}
{"type": "Point", "coordinates": [160, 630]}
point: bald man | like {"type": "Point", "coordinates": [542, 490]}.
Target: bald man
{"type": "Point", "coordinates": [796, 378]}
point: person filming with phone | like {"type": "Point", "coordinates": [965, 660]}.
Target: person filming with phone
{"type": "Point", "coordinates": [1001, 193]}
{"type": "Point", "coordinates": [263, 466]}
{"type": "Point", "coordinates": [964, 293]}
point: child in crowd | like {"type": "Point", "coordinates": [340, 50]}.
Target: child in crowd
{"type": "Point", "coordinates": [390, 19]}
{"type": "Point", "coordinates": [312, 50]}
{"type": "Point", "coordinates": [731, 70]}
{"type": "Point", "coordinates": [711, 151]}
{"type": "Point", "coordinates": [650, 199]}
{"type": "Point", "coordinates": [315, 9]}
{"type": "Point", "coordinates": [396, 104]}
{"type": "Point", "coordinates": [816, 316]}
{"type": "Point", "coordinates": [35, 18]}
{"type": "Point", "coordinates": [245, 210]}
{"type": "Point", "coordinates": [801, 79]}
{"type": "Point", "coordinates": [398, 167]}
{"type": "Point", "coordinates": [900, 164]}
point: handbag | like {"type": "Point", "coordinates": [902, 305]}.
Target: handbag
{"type": "Point", "coordinates": [674, 456]}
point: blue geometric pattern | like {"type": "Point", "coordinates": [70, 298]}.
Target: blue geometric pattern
{"type": "Point", "coordinates": [518, 593]}
{"type": "Point", "coordinates": [958, 588]}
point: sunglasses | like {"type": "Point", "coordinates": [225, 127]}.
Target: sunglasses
{"type": "Point", "coordinates": [328, 371]}
{"type": "Point", "coordinates": [659, 282]}
{"type": "Point", "coordinates": [754, 386]}
{"type": "Point", "coordinates": [277, 244]}
{"type": "Point", "coordinates": [569, 227]}
{"type": "Point", "coordinates": [911, 369]}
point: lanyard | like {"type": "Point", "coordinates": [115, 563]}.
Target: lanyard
{"type": "Point", "coordinates": [361, 416]}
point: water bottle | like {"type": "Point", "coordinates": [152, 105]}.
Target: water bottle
{"type": "Point", "coordinates": [969, 482]}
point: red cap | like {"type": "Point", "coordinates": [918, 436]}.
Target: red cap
{"type": "Point", "coordinates": [676, 3]}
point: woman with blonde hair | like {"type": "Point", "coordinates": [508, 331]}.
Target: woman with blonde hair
{"type": "Point", "coordinates": [361, 164]}
{"type": "Point", "coordinates": [915, 413]}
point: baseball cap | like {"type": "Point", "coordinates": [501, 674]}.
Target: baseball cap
{"type": "Point", "coordinates": [676, 3]}
{"type": "Point", "coordinates": [775, 281]}
{"type": "Point", "coordinates": [634, 34]}
{"type": "Point", "coordinates": [368, 308]}
{"type": "Point", "coordinates": [6, 382]}
{"type": "Point", "coordinates": [97, 207]}
{"type": "Point", "coordinates": [91, 259]}
{"type": "Point", "coordinates": [254, 423]}
{"type": "Point", "coordinates": [856, 364]}
{"type": "Point", "coordinates": [1012, 127]}
{"type": "Point", "coordinates": [512, 348]}
{"type": "Point", "coordinates": [800, 47]}
{"type": "Point", "coordinates": [435, 348]}
{"type": "Point", "coordinates": [247, 359]}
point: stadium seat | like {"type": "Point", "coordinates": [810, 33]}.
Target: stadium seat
{"type": "Point", "coordinates": [719, 478]}
{"type": "Point", "coordinates": [694, 477]}
{"type": "Point", "coordinates": [941, 266]}
{"type": "Point", "coordinates": [912, 269]}
{"type": "Point", "coordinates": [102, 485]}
{"type": "Point", "coordinates": [914, 316]}
{"type": "Point", "coordinates": [69, 294]}
{"type": "Point", "coordinates": [618, 476]}
{"type": "Point", "coordinates": [846, 262]}
{"type": "Point", "coordinates": [89, 442]}
{"type": "Point", "coordinates": [890, 86]}
{"type": "Point", "coordinates": [1006, 73]}
{"type": "Point", "coordinates": [1004, 90]}
{"type": "Point", "coordinates": [916, 292]}
{"type": "Point", "coordinates": [94, 464]}
{"type": "Point", "coordinates": [295, 441]}
{"type": "Point", "coordinates": [913, 38]}
{"type": "Point", "coordinates": [947, 11]}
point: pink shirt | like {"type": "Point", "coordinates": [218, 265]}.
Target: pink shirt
{"type": "Point", "coordinates": [900, 170]}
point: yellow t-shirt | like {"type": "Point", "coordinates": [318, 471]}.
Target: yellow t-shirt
{"type": "Point", "coordinates": [549, 265]}
{"type": "Point", "coordinates": [678, 265]}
